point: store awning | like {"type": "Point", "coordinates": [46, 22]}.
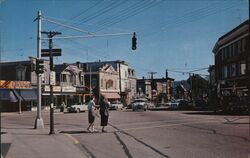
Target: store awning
{"type": "Point", "coordinates": [111, 95]}
{"type": "Point", "coordinates": [7, 95]}
{"type": "Point", "coordinates": [18, 96]}
{"type": "Point", "coordinates": [28, 95]}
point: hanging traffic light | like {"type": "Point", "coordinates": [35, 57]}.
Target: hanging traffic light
{"type": "Point", "coordinates": [39, 66]}
{"type": "Point", "coordinates": [134, 41]}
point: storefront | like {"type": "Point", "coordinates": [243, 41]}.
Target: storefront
{"type": "Point", "coordinates": [17, 95]}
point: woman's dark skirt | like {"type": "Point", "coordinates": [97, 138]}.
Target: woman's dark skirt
{"type": "Point", "coordinates": [91, 116]}
{"type": "Point", "coordinates": [104, 120]}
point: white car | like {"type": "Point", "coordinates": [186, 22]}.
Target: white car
{"type": "Point", "coordinates": [139, 104]}
{"type": "Point", "coordinates": [173, 104]}
{"type": "Point", "coordinates": [114, 105]}
{"type": "Point", "coordinates": [78, 108]}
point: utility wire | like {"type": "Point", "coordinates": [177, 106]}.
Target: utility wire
{"type": "Point", "coordinates": [129, 15]}
{"type": "Point", "coordinates": [191, 18]}
{"type": "Point", "coordinates": [129, 9]}
{"type": "Point", "coordinates": [84, 11]}
{"type": "Point", "coordinates": [99, 13]}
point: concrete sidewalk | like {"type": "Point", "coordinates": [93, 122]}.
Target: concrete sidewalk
{"type": "Point", "coordinates": [19, 142]}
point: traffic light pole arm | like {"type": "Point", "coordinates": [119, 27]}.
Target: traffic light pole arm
{"type": "Point", "coordinates": [90, 36]}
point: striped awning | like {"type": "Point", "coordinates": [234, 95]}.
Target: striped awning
{"type": "Point", "coordinates": [111, 95]}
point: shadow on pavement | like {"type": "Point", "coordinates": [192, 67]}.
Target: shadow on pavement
{"type": "Point", "coordinates": [77, 132]}
{"type": "Point", "coordinates": [211, 113]}
{"type": "Point", "coordinates": [5, 148]}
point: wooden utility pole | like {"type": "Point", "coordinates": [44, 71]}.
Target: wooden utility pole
{"type": "Point", "coordinates": [152, 84]}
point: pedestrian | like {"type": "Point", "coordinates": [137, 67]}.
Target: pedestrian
{"type": "Point", "coordinates": [91, 114]}
{"type": "Point", "coordinates": [63, 106]}
{"type": "Point", "coordinates": [104, 112]}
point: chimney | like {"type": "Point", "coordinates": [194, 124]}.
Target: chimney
{"type": "Point", "coordinates": [166, 73]}
{"type": "Point", "coordinates": [78, 64]}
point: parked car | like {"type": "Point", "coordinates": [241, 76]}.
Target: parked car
{"type": "Point", "coordinates": [114, 105]}
{"type": "Point", "coordinates": [78, 108]}
{"type": "Point", "coordinates": [139, 104]}
{"type": "Point", "coordinates": [200, 104]}
{"type": "Point", "coordinates": [185, 105]}
{"type": "Point", "coordinates": [173, 104]}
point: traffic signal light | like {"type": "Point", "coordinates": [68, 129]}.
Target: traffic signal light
{"type": "Point", "coordinates": [33, 67]}
{"type": "Point", "coordinates": [134, 41]}
{"type": "Point", "coordinates": [39, 66]}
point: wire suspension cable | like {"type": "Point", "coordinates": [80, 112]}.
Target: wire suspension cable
{"type": "Point", "coordinates": [64, 25]}
{"type": "Point", "coordinates": [89, 36]}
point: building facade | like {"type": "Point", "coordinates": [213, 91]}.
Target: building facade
{"type": "Point", "coordinates": [232, 61]}
{"type": "Point", "coordinates": [157, 90]}
{"type": "Point", "coordinates": [18, 85]}
{"type": "Point", "coordinates": [70, 86]}
{"type": "Point", "coordinates": [125, 77]}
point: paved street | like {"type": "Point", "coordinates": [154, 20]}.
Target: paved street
{"type": "Point", "coordinates": [174, 134]}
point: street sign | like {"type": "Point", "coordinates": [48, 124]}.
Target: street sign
{"type": "Point", "coordinates": [52, 78]}
{"type": "Point", "coordinates": [55, 52]}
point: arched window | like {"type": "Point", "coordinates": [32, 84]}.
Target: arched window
{"type": "Point", "coordinates": [109, 84]}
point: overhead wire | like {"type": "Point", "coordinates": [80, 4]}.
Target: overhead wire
{"type": "Point", "coordinates": [81, 13]}
{"type": "Point", "coordinates": [84, 11]}
{"type": "Point", "coordinates": [126, 16]}
{"type": "Point", "coordinates": [122, 12]}
{"type": "Point", "coordinates": [196, 15]}
{"type": "Point", "coordinates": [101, 12]}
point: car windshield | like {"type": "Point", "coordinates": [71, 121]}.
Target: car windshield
{"type": "Point", "coordinates": [115, 102]}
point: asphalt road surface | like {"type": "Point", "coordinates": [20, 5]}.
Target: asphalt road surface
{"type": "Point", "coordinates": [152, 134]}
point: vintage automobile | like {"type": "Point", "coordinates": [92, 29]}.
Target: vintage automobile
{"type": "Point", "coordinates": [114, 105]}
{"type": "Point", "coordinates": [139, 104]}
{"type": "Point", "coordinates": [80, 107]}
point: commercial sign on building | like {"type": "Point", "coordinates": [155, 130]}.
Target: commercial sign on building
{"type": "Point", "coordinates": [69, 89]}
{"type": "Point", "coordinates": [15, 84]}
{"type": "Point", "coordinates": [55, 88]}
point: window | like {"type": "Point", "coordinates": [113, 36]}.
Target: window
{"type": "Point", "coordinates": [243, 44]}
{"type": "Point", "coordinates": [225, 71]}
{"type": "Point", "coordinates": [242, 67]}
{"type": "Point", "coordinates": [20, 75]}
{"type": "Point", "coordinates": [233, 70]}
{"type": "Point", "coordinates": [101, 83]}
{"type": "Point", "coordinates": [109, 84]}
{"type": "Point", "coordinates": [225, 52]}
{"type": "Point", "coordinates": [239, 46]}
{"type": "Point", "coordinates": [232, 50]}
{"type": "Point", "coordinates": [81, 79]}
{"type": "Point", "coordinates": [236, 47]}
{"type": "Point", "coordinates": [64, 78]}
{"type": "Point", "coordinates": [230, 53]}
{"type": "Point", "coordinates": [221, 54]}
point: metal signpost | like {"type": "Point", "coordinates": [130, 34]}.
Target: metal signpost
{"type": "Point", "coordinates": [52, 52]}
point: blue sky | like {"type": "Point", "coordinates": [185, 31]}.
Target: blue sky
{"type": "Point", "coordinates": [178, 35]}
